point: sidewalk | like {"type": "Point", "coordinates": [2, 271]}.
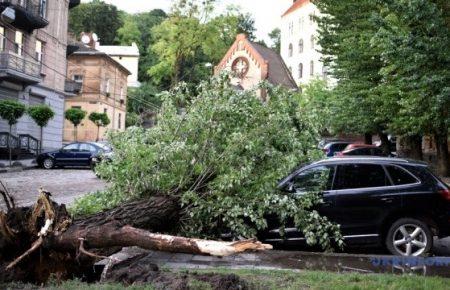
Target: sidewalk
{"type": "Point", "coordinates": [283, 260]}
{"type": "Point", "coordinates": [17, 165]}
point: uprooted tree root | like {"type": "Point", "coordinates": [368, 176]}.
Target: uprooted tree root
{"type": "Point", "coordinates": [43, 240]}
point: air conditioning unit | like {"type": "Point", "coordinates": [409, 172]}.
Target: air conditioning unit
{"type": "Point", "coordinates": [8, 15]}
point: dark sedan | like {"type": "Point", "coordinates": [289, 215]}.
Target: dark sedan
{"type": "Point", "coordinates": [75, 154]}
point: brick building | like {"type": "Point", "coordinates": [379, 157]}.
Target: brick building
{"type": "Point", "coordinates": [99, 85]}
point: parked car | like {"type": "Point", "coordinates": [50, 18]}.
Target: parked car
{"type": "Point", "coordinates": [74, 154]}
{"type": "Point", "coordinates": [325, 141]}
{"type": "Point", "coordinates": [330, 149]}
{"type": "Point", "coordinates": [393, 202]}
{"type": "Point", "coordinates": [363, 150]}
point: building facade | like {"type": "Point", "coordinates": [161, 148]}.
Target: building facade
{"type": "Point", "coordinates": [299, 47]}
{"type": "Point", "coordinates": [250, 63]}
{"type": "Point", "coordinates": [102, 88]}
{"type": "Point", "coordinates": [33, 42]}
{"type": "Point", "coordinates": [128, 56]}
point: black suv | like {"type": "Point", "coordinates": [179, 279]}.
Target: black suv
{"type": "Point", "coordinates": [386, 201]}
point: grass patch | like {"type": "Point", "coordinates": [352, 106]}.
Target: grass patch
{"type": "Point", "coordinates": [279, 279]}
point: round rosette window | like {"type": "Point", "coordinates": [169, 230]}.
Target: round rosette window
{"type": "Point", "coordinates": [240, 67]}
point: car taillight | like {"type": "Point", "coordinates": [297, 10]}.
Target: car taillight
{"type": "Point", "coordinates": [445, 193]}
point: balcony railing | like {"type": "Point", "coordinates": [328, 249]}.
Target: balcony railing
{"type": "Point", "coordinates": [72, 87]}
{"type": "Point", "coordinates": [19, 68]}
{"type": "Point", "coordinates": [29, 14]}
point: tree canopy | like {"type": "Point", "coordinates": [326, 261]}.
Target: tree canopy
{"type": "Point", "coordinates": [41, 114]}
{"type": "Point", "coordinates": [96, 16]}
{"type": "Point", "coordinates": [11, 111]}
{"type": "Point", "coordinates": [221, 158]}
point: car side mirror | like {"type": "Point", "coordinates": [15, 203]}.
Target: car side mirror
{"type": "Point", "coordinates": [290, 187]}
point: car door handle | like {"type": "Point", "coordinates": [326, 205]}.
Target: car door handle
{"type": "Point", "coordinates": [388, 199]}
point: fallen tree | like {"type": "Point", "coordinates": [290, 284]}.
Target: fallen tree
{"type": "Point", "coordinates": [43, 240]}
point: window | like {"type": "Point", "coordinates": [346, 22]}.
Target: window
{"type": "Point", "coordinates": [301, 23]}
{"type": "Point", "coordinates": [312, 40]}
{"type": "Point", "coordinates": [311, 68]}
{"type": "Point", "coordinates": [300, 70]}
{"type": "Point", "coordinates": [107, 84]}
{"type": "Point", "coordinates": [76, 107]}
{"type": "Point", "coordinates": [119, 121]}
{"type": "Point", "coordinates": [352, 176]}
{"type": "Point", "coordinates": [71, 147]}
{"type": "Point", "coordinates": [18, 43]}
{"type": "Point", "coordinates": [2, 38]}
{"type": "Point", "coordinates": [43, 8]}
{"type": "Point", "coordinates": [39, 50]}
{"type": "Point", "coordinates": [314, 179]}
{"type": "Point", "coordinates": [87, 148]}
{"type": "Point", "coordinates": [291, 28]}
{"type": "Point", "coordinates": [300, 46]}
{"type": "Point", "coordinates": [399, 176]}
{"type": "Point", "coordinates": [78, 78]}
{"type": "Point", "coordinates": [291, 50]}
{"type": "Point", "coordinates": [311, 18]}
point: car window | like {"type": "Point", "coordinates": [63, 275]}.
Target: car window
{"type": "Point", "coordinates": [314, 179]}
{"type": "Point", "coordinates": [378, 152]}
{"type": "Point", "coordinates": [84, 147]}
{"type": "Point", "coordinates": [71, 147]}
{"type": "Point", "coordinates": [340, 147]}
{"type": "Point", "coordinates": [399, 176]}
{"type": "Point", "coordinates": [351, 176]}
{"type": "Point", "coordinates": [360, 151]}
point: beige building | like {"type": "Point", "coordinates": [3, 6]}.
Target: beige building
{"type": "Point", "coordinates": [128, 56]}
{"type": "Point", "coordinates": [33, 66]}
{"type": "Point", "coordinates": [251, 63]}
{"type": "Point", "coordinates": [299, 48]}
{"type": "Point", "coordinates": [102, 88]}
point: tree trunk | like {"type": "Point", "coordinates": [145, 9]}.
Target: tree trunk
{"type": "Point", "coordinates": [41, 241]}
{"type": "Point", "coordinates": [75, 133]}
{"type": "Point", "coordinates": [410, 147]}
{"type": "Point", "coordinates": [98, 133]}
{"type": "Point", "coordinates": [41, 140]}
{"type": "Point", "coordinates": [443, 163]}
{"type": "Point", "coordinates": [9, 145]}
{"type": "Point", "coordinates": [368, 138]}
{"type": "Point", "coordinates": [385, 143]}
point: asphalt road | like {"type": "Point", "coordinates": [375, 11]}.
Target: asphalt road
{"type": "Point", "coordinates": [64, 184]}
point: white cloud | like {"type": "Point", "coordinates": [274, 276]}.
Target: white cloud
{"type": "Point", "coordinates": [267, 13]}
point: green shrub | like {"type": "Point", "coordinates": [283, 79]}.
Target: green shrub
{"type": "Point", "coordinates": [222, 156]}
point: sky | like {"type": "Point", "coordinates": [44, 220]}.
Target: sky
{"type": "Point", "coordinates": [266, 13]}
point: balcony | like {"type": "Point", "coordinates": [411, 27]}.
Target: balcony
{"type": "Point", "coordinates": [72, 87]}
{"type": "Point", "coordinates": [17, 68]}
{"type": "Point", "coordinates": [24, 14]}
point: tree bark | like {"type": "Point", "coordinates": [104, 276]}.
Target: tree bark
{"type": "Point", "coordinates": [443, 163]}
{"type": "Point", "coordinates": [368, 138]}
{"type": "Point", "coordinates": [410, 147]}
{"type": "Point", "coordinates": [41, 241]}
{"type": "Point", "coordinates": [385, 143]}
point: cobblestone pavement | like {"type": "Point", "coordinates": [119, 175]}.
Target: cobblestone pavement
{"type": "Point", "coordinates": [64, 184]}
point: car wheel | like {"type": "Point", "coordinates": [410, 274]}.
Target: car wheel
{"type": "Point", "coordinates": [48, 163]}
{"type": "Point", "coordinates": [409, 237]}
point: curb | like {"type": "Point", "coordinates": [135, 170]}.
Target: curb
{"type": "Point", "coordinates": [17, 169]}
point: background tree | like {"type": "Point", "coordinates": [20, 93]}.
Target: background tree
{"type": "Point", "coordinates": [414, 38]}
{"type": "Point", "coordinates": [100, 120]}
{"type": "Point", "coordinates": [96, 16]}
{"type": "Point", "coordinates": [75, 116]}
{"type": "Point", "coordinates": [41, 114]}
{"type": "Point", "coordinates": [275, 36]}
{"type": "Point", "coordinates": [11, 111]}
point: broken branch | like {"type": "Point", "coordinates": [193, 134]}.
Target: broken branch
{"type": "Point", "coordinates": [36, 245]}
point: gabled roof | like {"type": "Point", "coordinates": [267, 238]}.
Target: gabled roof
{"type": "Point", "coordinates": [273, 68]}
{"type": "Point", "coordinates": [297, 4]}
{"type": "Point", "coordinates": [82, 49]}
{"type": "Point", "coordinates": [278, 73]}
